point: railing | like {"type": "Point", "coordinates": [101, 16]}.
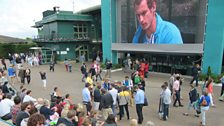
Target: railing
{"type": "Point", "coordinates": [60, 38]}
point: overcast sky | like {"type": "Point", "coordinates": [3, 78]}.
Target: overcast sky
{"type": "Point", "coordinates": [17, 16]}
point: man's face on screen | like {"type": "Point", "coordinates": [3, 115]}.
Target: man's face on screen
{"type": "Point", "coordinates": [144, 14]}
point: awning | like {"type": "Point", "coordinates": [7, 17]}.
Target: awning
{"type": "Point", "coordinates": [35, 48]}
{"type": "Point", "coordinates": [159, 48]}
{"type": "Point", "coordinates": [38, 48]}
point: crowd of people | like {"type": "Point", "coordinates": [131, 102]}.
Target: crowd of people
{"type": "Point", "coordinates": [104, 100]}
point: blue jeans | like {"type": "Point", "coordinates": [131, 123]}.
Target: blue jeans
{"type": "Point", "coordinates": [177, 98]}
{"type": "Point", "coordinates": [165, 111]}
{"type": "Point", "coordinates": [139, 113]}
{"type": "Point", "coordinates": [203, 112]}
{"type": "Point", "coordinates": [113, 109]}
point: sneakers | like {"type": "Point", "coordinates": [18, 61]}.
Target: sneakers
{"type": "Point", "coordinates": [181, 105]}
{"type": "Point", "coordinates": [175, 106]}
{"type": "Point", "coordinates": [185, 114]}
{"type": "Point", "coordinates": [196, 115]}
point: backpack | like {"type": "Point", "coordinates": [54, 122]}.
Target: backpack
{"type": "Point", "coordinates": [204, 102]}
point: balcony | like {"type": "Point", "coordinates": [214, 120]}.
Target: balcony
{"type": "Point", "coordinates": [61, 38]}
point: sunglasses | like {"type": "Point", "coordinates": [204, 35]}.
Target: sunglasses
{"type": "Point", "coordinates": [28, 108]}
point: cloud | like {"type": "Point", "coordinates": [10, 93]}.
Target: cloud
{"type": "Point", "coordinates": [17, 16]}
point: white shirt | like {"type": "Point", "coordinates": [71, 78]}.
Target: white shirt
{"type": "Point", "coordinates": [171, 81]}
{"type": "Point", "coordinates": [5, 106]}
{"type": "Point", "coordinates": [28, 98]}
{"type": "Point", "coordinates": [86, 95]}
{"type": "Point", "coordinates": [114, 93]}
{"type": "Point", "coordinates": [165, 95]}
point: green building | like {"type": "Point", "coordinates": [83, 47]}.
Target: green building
{"type": "Point", "coordinates": [69, 34]}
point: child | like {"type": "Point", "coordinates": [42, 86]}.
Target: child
{"type": "Point", "coordinates": [70, 67]}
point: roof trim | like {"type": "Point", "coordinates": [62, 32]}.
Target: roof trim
{"type": "Point", "coordinates": [159, 48]}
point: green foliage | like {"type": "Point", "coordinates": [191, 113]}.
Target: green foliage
{"type": "Point", "coordinates": [114, 66]}
{"type": "Point", "coordinates": [5, 49]}
{"type": "Point", "coordinates": [216, 78]}
{"type": "Point", "coordinates": [202, 77]}
{"type": "Point", "coordinates": [209, 72]}
{"type": "Point", "coordinates": [103, 66]}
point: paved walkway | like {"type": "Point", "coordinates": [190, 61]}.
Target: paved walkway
{"type": "Point", "coordinates": [71, 83]}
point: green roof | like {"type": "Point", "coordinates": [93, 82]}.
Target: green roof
{"type": "Point", "coordinates": [63, 16]}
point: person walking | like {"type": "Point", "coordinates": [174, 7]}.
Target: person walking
{"type": "Point", "coordinates": [106, 103]}
{"type": "Point", "coordinates": [128, 83]}
{"type": "Point", "coordinates": [114, 93]}
{"type": "Point", "coordinates": [86, 98]}
{"type": "Point", "coordinates": [139, 101]}
{"type": "Point", "coordinates": [204, 102]}
{"type": "Point", "coordinates": [83, 71]}
{"type": "Point", "coordinates": [176, 91]}
{"type": "Point", "coordinates": [123, 100]}
{"type": "Point", "coordinates": [108, 68]}
{"type": "Point", "coordinates": [193, 96]}
{"type": "Point", "coordinates": [195, 72]}
{"type": "Point", "coordinates": [66, 64]}
{"type": "Point", "coordinates": [171, 81]}
{"type": "Point", "coordinates": [209, 87]}
{"type": "Point", "coordinates": [166, 100]}
{"type": "Point", "coordinates": [43, 78]}
{"type": "Point", "coordinates": [97, 97]}
{"type": "Point", "coordinates": [98, 72]}
{"type": "Point", "coordinates": [21, 74]}
{"type": "Point", "coordinates": [70, 67]}
{"type": "Point", "coordinates": [12, 74]}
{"type": "Point", "coordinates": [52, 66]}
{"type": "Point", "coordinates": [27, 75]}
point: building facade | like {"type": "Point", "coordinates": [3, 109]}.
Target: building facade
{"type": "Point", "coordinates": [202, 34]}
{"type": "Point", "coordinates": [69, 34]}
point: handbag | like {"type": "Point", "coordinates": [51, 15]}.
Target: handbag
{"type": "Point", "coordinates": [145, 101]}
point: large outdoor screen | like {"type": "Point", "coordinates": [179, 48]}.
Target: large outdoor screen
{"type": "Point", "coordinates": [161, 21]}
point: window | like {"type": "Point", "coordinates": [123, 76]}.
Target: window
{"type": "Point", "coordinates": [80, 31]}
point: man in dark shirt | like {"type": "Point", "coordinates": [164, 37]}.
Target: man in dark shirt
{"type": "Point", "coordinates": [108, 68]}
{"type": "Point", "coordinates": [106, 103]}
{"type": "Point", "coordinates": [97, 97]}
{"type": "Point", "coordinates": [195, 72]}
{"type": "Point", "coordinates": [83, 71]}
{"type": "Point", "coordinates": [52, 66]}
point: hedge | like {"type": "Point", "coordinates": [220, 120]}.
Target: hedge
{"type": "Point", "coordinates": [5, 49]}
{"type": "Point", "coordinates": [114, 66]}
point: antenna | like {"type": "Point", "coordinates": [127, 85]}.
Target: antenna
{"type": "Point", "coordinates": [73, 6]}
